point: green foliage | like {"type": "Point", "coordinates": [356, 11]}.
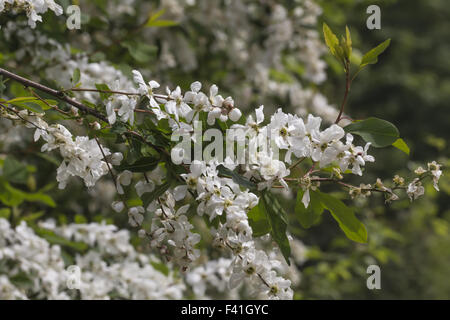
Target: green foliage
{"type": "Point", "coordinates": [371, 57]}
{"type": "Point", "coordinates": [311, 215]}
{"type": "Point", "coordinates": [401, 145]}
{"type": "Point", "coordinates": [143, 164]}
{"type": "Point", "coordinates": [277, 218]}
{"type": "Point", "coordinates": [352, 227]}
{"type": "Point", "coordinates": [154, 20]}
{"type": "Point", "coordinates": [259, 221]}
{"type": "Point", "coordinates": [380, 133]}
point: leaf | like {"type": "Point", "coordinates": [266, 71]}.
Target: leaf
{"type": "Point", "coordinates": [141, 52]}
{"type": "Point", "coordinates": [162, 23]}
{"type": "Point", "coordinates": [278, 223]}
{"type": "Point", "coordinates": [141, 165]}
{"type": "Point", "coordinates": [147, 198]}
{"type": "Point", "coordinates": [14, 170]}
{"type": "Point", "coordinates": [76, 76]}
{"type": "Point", "coordinates": [53, 238]}
{"type": "Point", "coordinates": [155, 16]}
{"type": "Point", "coordinates": [154, 22]}
{"type": "Point", "coordinates": [11, 196]}
{"type": "Point", "coordinates": [330, 39]}
{"type": "Point", "coordinates": [371, 57]}
{"type": "Point", "coordinates": [401, 145]}
{"type": "Point", "coordinates": [242, 181]}
{"type": "Point", "coordinates": [258, 221]}
{"type": "Point", "coordinates": [352, 227]}
{"type": "Point", "coordinates": [308, 216]}
{"type": "Point", "coordinates": [103, 87]}
{"type": "Point", "coordinates": [380, 133]}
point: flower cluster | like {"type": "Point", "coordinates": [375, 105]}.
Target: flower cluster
{"type": "Point", "coordinates": [110, 269]}
{"type": "Point", "coordinates": [82, 157]}
{"type": "Point", "coordinates": [32, 8]}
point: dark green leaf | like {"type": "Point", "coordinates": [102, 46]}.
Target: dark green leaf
{"type": "Point", "coordinates": [141, 165]}
{"type": "Point", "coordinates": [308, 216]}
{"type": "Point", "coordinates": [242, 181]}
{"type": "Point", "coordinates": [15, 171]}
{"type": "Point", "coordinates": [258, 221]}
{"type": "Point", "coordinates": [380, 133]}
{"type": "Point", "coordinates": [147, 198]}
{"type": "Point", "coordinates": [278, 224]}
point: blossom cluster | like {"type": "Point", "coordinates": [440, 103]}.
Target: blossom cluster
{"type": "Point", "coordinates": [110, 269]}
{"type": "Point", "coordinates": [33, 8]}
{"type": "Point", "coordinates": [82, 157]}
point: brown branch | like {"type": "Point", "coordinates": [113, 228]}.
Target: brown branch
{"type": "Point", "coordinates": [57, 94]}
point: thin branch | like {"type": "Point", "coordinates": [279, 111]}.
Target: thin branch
{"type": "Point", "coordinates": [57, 94]}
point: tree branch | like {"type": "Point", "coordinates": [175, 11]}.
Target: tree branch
{"type": "Point", "coordinates": [57, 94]}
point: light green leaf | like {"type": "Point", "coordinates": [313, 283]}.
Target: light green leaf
{"type": "Point", "coordinates": [352, 227]}
{"type": "Point", "coordinates": [380, 133]}
{"type": "Point", "coordinates": [401, 145]}
{"type": "Point", "coordinates": [162, 23]}
{"type": "Point", "coordinates": [76, 76]}
{"type": "Point", "coordinates": [103, 87]}
{"type": "Point", "coordinates": [371, 57]}
{"type": "Point", "coordinates": [330, 39]}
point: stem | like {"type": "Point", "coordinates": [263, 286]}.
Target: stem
{"type": "Point", "coordinates": [348, 83]}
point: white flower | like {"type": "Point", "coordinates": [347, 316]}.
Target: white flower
{"type": "Point", "coordinates": [135, 216]}
{"type": "Point", "coordinates": [436, 172]}
{"type": "Point", "coordinates": [415, 189]}
{"type": "Point", "coordinates": [176, 105]}
{"type": "Point", "coordinates": [144, 186]}
{"type": "Point", "coordinates": [117, 206]}
{"type": "Point", "coordinates": [123, 179]}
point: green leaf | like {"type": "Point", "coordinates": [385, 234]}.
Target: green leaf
{"type": "Point", "coordinates": [371, 57]}
{"type": "Point", "coordinates": [258, 221]}
{"type": "Point", "coordinates": [15, 171]}
{"type": "Point", "coordinates": [76, 76]}
{"type": "Point", "coordinates": [380, 133]}
{"type": "Point", "coordinates": [11, 196]}
{"type": "Point", "coordinates": [330, 39]}
{"type": "Point", "coordinates": [352, 227]}
{"type": "Point", "coordinates": [5, 213]}
{"type": "Point", "coordinates": [141, 52]}
{"type": "Point", "coordinates": [103, 87]}
{"type": "Point", "coordinates": [308, 216]}
{"type": "Point", "coordinates": [401, 145]}
{"type": "Point", "coordinates": [162, 23]}
{"type": "Point", "coordinates": [242, 181]}
{"type": "Point", "coordinates": [53, 238]}
{"type": "Point", "coordinates": [141, 165]}
{"type": "Point", "coordinates": [147, 198]}
{"type": "Point", "coordinates": [154, 22]}
{"type": "Point", "coordinates": [278, 223]}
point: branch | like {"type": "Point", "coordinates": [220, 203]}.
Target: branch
{"type": "Point", "coordinates": [57, 94]}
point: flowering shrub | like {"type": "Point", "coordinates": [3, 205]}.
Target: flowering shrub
{"type": "Point", "coordinates": [171, 189]}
